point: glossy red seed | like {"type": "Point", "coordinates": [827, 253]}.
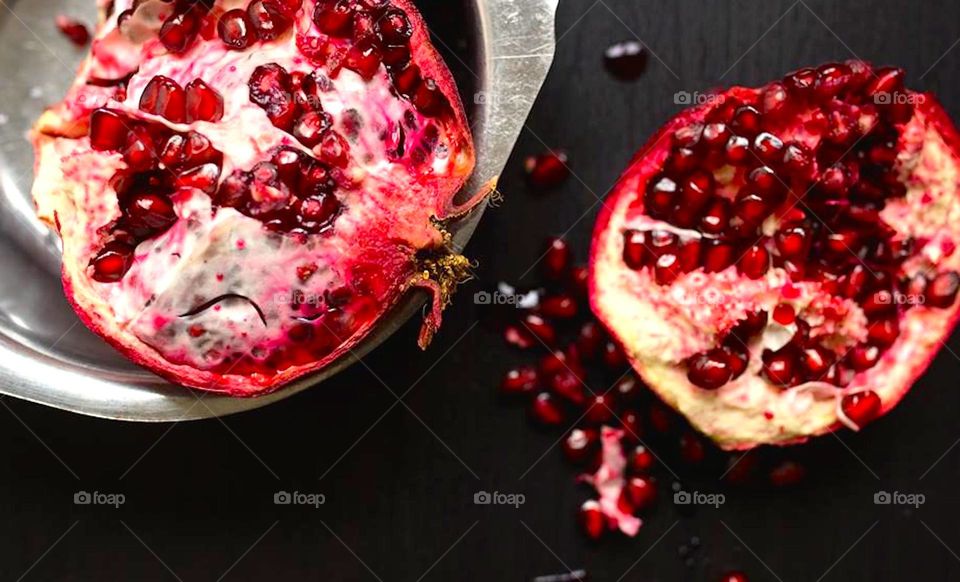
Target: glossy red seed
{"type": "Point", "coordinates": [599, 409]}
{"type": "Point", "coordinates": [746, 121]}
{"type": "Point", "coordinates": [861, 407]}
{"type": "Point", "coordinates": [886, 81]}
{"type": "Point", "coordinates": [271, 89]}
{"type": "Point", "coordinates": [559, 307]}
{"type": "Point", "coordinates": [942, 290]}
{"type": "Point", "coordinates": [589, 340]}
{"type": "Point", "coordinates": [592, 520]}
{"type": "Point", "coordinates": [640, 459]}
{"type": "Point", "coordinates": [268, 21]}
{"type": "Point", "coordinates": [140, 150]}
{"type": "Point", "coordinates": [709, 370]}
{"type": "Point", "coordinates": [108, 131]}
{"type": "Point", "coordinates": [152, 210]}
{"type": "Point", "coordinates": [557, 259]}
{"type": "Point", "coordinates": [394, 27]}
{"type": "Point", "coordinates": [540, 329]}
{"type": "Point", "coordinates": [792, 242]}
{"type": "Point", "coordinates": [640, 493]}
{"type": "Point", "coordinates": [569, 386]}
{"type": "Point", "coordinates": [883, 332]}
{"type": "Point", "coordinates": [288, 8]}
{"type": "Point", "coordinates": [578, 280]}
{"type": "Point", "coordinates": [715, 135]}
{"type": "Point", "coordinates": [768, 147]}
{"type": "Point", "coordinates": [547, 410]}
{"type": "Point", "coordinates": [667, 268]}
{"type": "Point", "coordinates": [737, 149]}
{"type": "Point", "coordinates": [164, 97]}
{"type": "Point", "coordinates": [696, 192]}
{"type": "Point", "coordinates": [863, 357]}
{"type": "Point", "coordinates": [797, 160]}
{"type": "Point", "coordinates": [755, 262]}
{"type": "Point", "coordinates": [74, 30]}
{"type": "Point", "coordinates": [363, 59]}
{"type": "Point", "coordinates": [203, 102]}
{"type": "Point", "coordinates": [520, 380]}
{"type": "Point", "coordinates": [514, 335]}
{"type": "Point", "coordinates": [784, 314]}
{"type": "Point", "coordinates": [112, 263]}
{"type": "Point", "coordinates": [816, 362]}
{"type": "Point", "coordinates": [625, 60]}
{"type": "Point", "coordinates": [580, 444]}
{"type": "Point", "coordinates": [682, 161]}
{"type": "Point", "coordinates": [428, 99]}
{"type": "Point", "coordinates": [774, 99]}
{"type": "Point", "coordinates": [660, 196]}
{"type": "Point", "coordinates": [236, 30]}
{"type": "Point", "coordinates": [692, 449]}
{"type": "Point", "coordinates": [613, 356]}
{"type": "Point", "coordinates": [734, 577]}
{"type": "Point", "coordinates": [716, 217]}
{"type": "Point", "coordinates": [334, 17]}
{"type": "Point", "coordinates": [548, 170]}
{"type": "Point", "coordinates": [310, 127]}
{"type": "Point", "coordinates": [801, 82]}
{"type": "Point", "coordinates": [179, 30]}
{"type": "Point", "coordinates": [203, 177]}
{"type": "Point", "coordinates": [717, 256]}
{"type": "Point", "coordinates": [690, 255]}
{"type": "Point", "coordinates": [832, 79]}
{"type": "Point", "coordinates": [333, 149]}
{"type": "Point", "coordinates": [779, 368]}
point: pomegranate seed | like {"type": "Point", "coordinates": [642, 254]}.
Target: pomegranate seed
{"type": "Point", "coordinates": [692, 450]}
{"type": "Point", "coordinates": [816, 362]}
{"type": "Point", "coordinates": [715, 135]}
{"type": "Point", "coordinates": [153, 211]}
{"type": "Point", "coordinates": [613, 356]}
{"type": "Point", "coordinates": [696, 192]}
{"type": "Point", "coordinates": [779, 367]}
{"type": "Point", "coordinates": [512, 334]}
{"type": "Point", "coordinates": [589, 339]}
{"type": "Point", "coordinates": [592, 520]}
{"type": "Point", "coordinates": [559, 307]}
{"type": "Point", "coordinates": [689, 136]}
{"type": "Point", "coordinates": [942, 291]}
{"type": "Point", "coordinates": [716, 217]}
{"type": "Point", "coordinates": [831, 80]}
{"type": "Point", "coordinates": [801, 82]}
{"type": "Point", "coordinates": [108, 131]}
{"type": "Point", "coordinates": [625, 60]}
{"type": "Point", "coordinates": [768, 147]}
{"type": "Point", "coordinates": [632, 426]}
{"type": "Point", "coordinates": [271, 89]}
{"type": "Point", "coordinates": [579, 444]}
{"type": "Point", "coordinates": [737, 359]}
{"type": "Point", "coordinates": [428, 99]}
{"type": "Point", "coordinates": [835, 180]}
{"type": "Point", "coordinates": [690, 255]}
{"type": "Point", "coordinates": [268, 21]}
{"type": "Point", "coordinates": [717, 256]}
{"type": "Point", "coordinates": [861, 407]}
{"type": "Point", "coordinates": [842, 243]}
{"type": "Point", "coordinates": [792, 243]}
{"type": "Point", "coordinates": [886, 80]}
{"type": "Point", "coordinates": [546, 410]}
{"type": "Point", "coordinates": [879, 303]}
{"type": "Point", "coordinates": [236, 30]}
{"type": "Point", "coordinates": [74, 30]}
{"type": "Point", "coordinates": [333, 149]}
{"type": "Point", "coordinates": [139, 151]}
{"type": "Point", "coordinates": [288, 8]}
{"type": "Point", "coordinates": [750, 326]}
{"type": "Point", "coordinates": [751, 209]}
{"type": "Point", "coordinates": [521, 380]}
{"type": "Point", "coordinates": [660, 196]}
{"type": "Point", "coordinates": [203, 177]}
{"type": "Point", "coordinates": [363, 59]}
{"type": "Point", "coordinates": [746, 121]}
{"type": "Point", "coordinates": [164, 97]}
{"type": "Point", "coordinates": [547, 170]}
{"type": "Point", "coordinates": [554, 363]}
{"type": "Point", "coordinates": [627, 389]}
{"type": "Point", "coordinates": [883, 332]}
{"type": "Point", "coordinates": [683, 161]}
{"type": "Point", "coordinates": [863, 357]}
{"type": "Point", "coordinates": [755, 262]}
{"type": "Point", "coordinates": [640, 493]}
{"type": "Point", "coordinates": [557, 259]}
{"type": "Point", "coordinates": [599, 409]}
{"type": "Point", "coordinates": [774, 98]}
{"type": "Point", "coordinates": [407, 81]}
{"type": "Point", "coordinates": [178, 31]}
{"type": "Point", "coordinates": [709, 370]}
{"type": "Point", "coordinates": [578, 280]}
{"type": "Point", "coordinates": [203, 103]}
{"type": "Point", "coordinates": [641, 459]}
{"type": "Point", "coordinates": [112, 263]}
{"type": "Point", "coordinates": [797, 160]}
{"type": "Point", "coordinates": [310, 128]}
{"type": "Point", "coordinates": [334, 18]}
{"type": "Point", "coordinates": [787, 474]}
{"type": "Point", "coordinates": [569, 386]}
{"type": "Point", "coordinates": [737, 149]}
{"type": "Point", "coordinates": [667, 269]}
{"type": "Point", "coordinates": [540, 329]}
{"type": "Point", "coordinates": [784, 314]}
{"type": "Point", "coordinates": [394, 28]}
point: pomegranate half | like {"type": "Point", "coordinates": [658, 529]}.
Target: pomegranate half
{"type": "Point", "coordinates": [244, 188]}
{"type": "Point", "coordinates": [780, 261]}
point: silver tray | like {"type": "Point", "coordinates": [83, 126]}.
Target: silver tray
{"type": "Point", "coordinates": [47, 356]}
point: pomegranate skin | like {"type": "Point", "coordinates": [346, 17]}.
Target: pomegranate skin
{"type": "Point", "coordinates": [749, 411]}
{"type": "Point", "coordinates": [222, 299]}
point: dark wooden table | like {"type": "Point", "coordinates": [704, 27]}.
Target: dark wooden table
{"type": "Point", "coordinates": [399, 478]}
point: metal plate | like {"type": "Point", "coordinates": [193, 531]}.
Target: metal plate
{"type": "Point", "coordinates": [499, 50]}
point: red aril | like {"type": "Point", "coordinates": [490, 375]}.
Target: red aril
{"type": "Point", "coordinates": [828, 207]}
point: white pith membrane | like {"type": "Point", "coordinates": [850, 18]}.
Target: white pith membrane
{"type": "Point", "coordinates": [250, 282]}
{"type": "Point", "coordinates": [660, 327]}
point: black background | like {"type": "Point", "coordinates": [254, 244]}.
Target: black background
{"type": "Point", "coordinates": [399, 479]}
